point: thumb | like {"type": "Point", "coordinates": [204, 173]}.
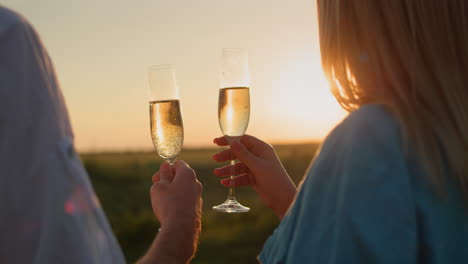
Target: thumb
{"type": "Point", "coordinates": [184, 174]}
{"type": "Point", "coordinates": [242, 153]}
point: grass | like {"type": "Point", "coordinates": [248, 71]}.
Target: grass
{"type": "Point", "coordinates": [122, 182]}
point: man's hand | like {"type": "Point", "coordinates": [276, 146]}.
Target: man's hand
{"type": "Point", "coordinates": [176, 202]}
{"type": "Point", "coordinates": [175, 196]}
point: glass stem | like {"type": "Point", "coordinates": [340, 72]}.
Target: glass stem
{"type": "Point", "coordinates": [171, 161]}
{"type": "Point", "coordinates": [232, 193]}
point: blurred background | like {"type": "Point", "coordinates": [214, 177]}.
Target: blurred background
{"type": "Point", "coordinates": [122, 183]}
{"type": "Point", "coordinates": [102, 50]}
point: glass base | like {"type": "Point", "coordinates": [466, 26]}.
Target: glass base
{"type": "Point", "coordinates": [231, 206]}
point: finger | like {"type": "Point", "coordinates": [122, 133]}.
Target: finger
{"type": "Point", "coordinates": [224, 155]}
{"type": "Point", "coordinates": [243, 180]}
{"type": "Point", "coordinates": [221, 141]}
{"type": "Point", "coordinates": [156, 177]}
{"type": "Point", "coordinates": [158, 187]}
{"type": "Point", "coordinates": [256, 146]}
{"type": "Point", "coordinates": [180, 164]}
{"type": "Point", "coordinates": [183, 173]}
{"type": "Point", "coordinates": [239, 168]}
{"type": "Point", "coordinates": [165, 174]}
{"type": "Point", "coordinates": [251, 141]}
{"type": "Point", "coordinates": [243, 154]}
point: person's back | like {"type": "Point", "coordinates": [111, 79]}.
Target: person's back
{"type": "Point", "coordinates": [411, 57]}
{"type": "Point", "coordinates": [49, 212]}
{"type": "Point", "coordinates": [366, 199]}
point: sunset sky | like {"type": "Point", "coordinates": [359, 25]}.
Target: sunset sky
{"type": "Point", "coordinates": [102, 49]}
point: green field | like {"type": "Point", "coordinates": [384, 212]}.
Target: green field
{"type": "Point", "coordinates": [122, 182]}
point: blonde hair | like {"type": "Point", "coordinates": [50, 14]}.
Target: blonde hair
{"type": "Point", "coordinates": [412, 57]}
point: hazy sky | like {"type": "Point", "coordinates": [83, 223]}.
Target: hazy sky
{"type": "Point", "coordinates": [102, 49]}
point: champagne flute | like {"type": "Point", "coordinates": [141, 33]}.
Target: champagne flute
{"type": "Point", "coordinates": [167, 131]}
{"type": "Point", "coordinates": [233, 111]}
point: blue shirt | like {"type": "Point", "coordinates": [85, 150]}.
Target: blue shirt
{"type": "Point", "coordinates": [365, 201]}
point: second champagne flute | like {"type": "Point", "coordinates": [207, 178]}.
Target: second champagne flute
{"type": "Point", "coordinates": [167, 131]}
{"type": "Point", "coordinates": [234, 111]}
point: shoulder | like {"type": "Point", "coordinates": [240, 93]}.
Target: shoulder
{"type": "Point", "coordinates": [373, 119]}
{"type": "Point", "coordinates": [10, 19]}
{"type": "Point", "coordinates": [364, 150]}
{"type": "Point", "coordinates": [373, 115]}
{"type": "Point", "coordinates": [370, 126]}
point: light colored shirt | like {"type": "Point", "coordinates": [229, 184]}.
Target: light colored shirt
{"type": "Point", "coordinates": [49, 212]}
{"type": "Point", "coordinates": [365, 201]}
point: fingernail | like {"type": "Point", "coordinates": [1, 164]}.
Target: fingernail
{"type": "Point", "coordinates": [165, 166]}
{"type": "Point", "coordinates": [225, 182]}
{"type": "Point", "coordinates": [216, 171]}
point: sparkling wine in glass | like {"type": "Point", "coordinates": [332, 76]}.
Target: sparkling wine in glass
{"type": "Point", "coordinates": [233, 111]}
{"type": "Point", "coordinates": [167, 130]}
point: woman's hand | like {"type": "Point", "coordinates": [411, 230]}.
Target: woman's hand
{"type": "Point", "coordinates": [260, 168]}
{"type": "Point", "coordinates": [176, 202]}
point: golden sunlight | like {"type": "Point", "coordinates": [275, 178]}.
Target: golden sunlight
{"type": "Point", "coordinates": [307, 109]}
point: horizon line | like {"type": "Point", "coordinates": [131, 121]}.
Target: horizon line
{"type": "Point", "coordinates": [194, 147]}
